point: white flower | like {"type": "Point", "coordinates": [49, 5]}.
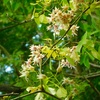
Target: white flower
{"type": "Point", "coordinates": [41, 76]}
{"type": "Point", "coordinates": [24, 74]}
{"type": "Point", "coordinates": [74, 28]}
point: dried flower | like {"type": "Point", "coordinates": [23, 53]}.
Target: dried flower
{"type": "Point", "coordinates": [68, 81]}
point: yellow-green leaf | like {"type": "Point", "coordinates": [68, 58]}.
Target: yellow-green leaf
{"type": "Point", "coordinates": [61, 92]}
{"type": "Point", "coordinates": [43, 19]}
{"type": "Point", "coordinates": [31, 89]}
{"type": "Point", "coordinates": [49, 53]}
{"type": "Point", "coordinates": [54, 55]}
{"type": "Point", "coordinates": [95, 53]}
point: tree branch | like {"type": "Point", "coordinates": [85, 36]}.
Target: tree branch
{"type": "Point", "coordinates": [5, 51]}
{"type": "Point", "coordinates": [11, 26]}
{"type": "Point", "coordinates": [9, 94]}
{"type": "Point", "coordinates": [9, 88]}
{"type": "Point", "coordinates": [90, 75]}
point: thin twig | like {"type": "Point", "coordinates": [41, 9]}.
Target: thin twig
{"type": "Point", "coordinates": [94, 65]}
{"type": "Point", "coordinates": [90, 75]}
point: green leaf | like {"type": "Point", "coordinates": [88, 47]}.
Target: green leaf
{"type": "Point", "coordinates": [90, 56]}
{"type": "Point", "coordinates": [5, 2]}
{"type": "Point", "coordinates": [36, 17]}
{"type": "Point", "coordinates": [95, 53]}
{"type": "Point", "coordinates": [92, 33]}
{"type": "Point", "coordinates": [89, 44]}
{"type": "Point", "coordinates": [70, 60]}
{"type": "Point", "coordinates": [54, 55]}
{"type": "Point", "coordinates": [61, 92]}
{"type": "Point", "coordinates": [86, 62]}
{"type": "Point", "coordinates": [83, 41]}
{"type": "Point", "coordinates": [52, 90]}
{"type": "Point", "coordinates": [43, 19]}
{"type": "Point", "coordinates": [89, 20]}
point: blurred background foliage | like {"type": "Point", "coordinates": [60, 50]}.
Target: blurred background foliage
{"type": "Point", "coordinates": [19, 29]}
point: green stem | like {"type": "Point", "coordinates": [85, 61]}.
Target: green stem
{"type": "Point", "coordinates": [41, 73]}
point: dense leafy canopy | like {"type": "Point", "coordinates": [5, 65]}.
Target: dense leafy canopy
{"type": "Point", "coordinates": [49, 49]}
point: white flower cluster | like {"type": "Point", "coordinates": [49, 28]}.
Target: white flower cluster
{"type": "Point", "coordinates": [64, 63]}
{"type": "Point", "coordinates": [36, 55]}
{"type": "Point", "coordinates": [27, 68]}
{"type": "Point", "coordinates": [60, 20]}
{"type": "Point", "coordinates": [35, 59]}
{"type": "Point", "coordinates": [71, 52]}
